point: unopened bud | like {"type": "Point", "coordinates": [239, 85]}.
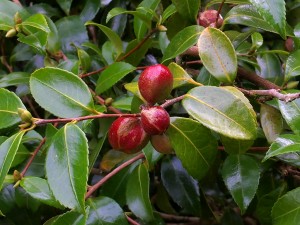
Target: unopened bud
{"type": "Point", "coordinates": [11, 33]}
{"type": "Point", "coordinates": [162, 28]}
{"type": "Point", "coordinates": [25, 115]}
{"type": "Point", "coordinates": [17, 18]}
{"type": "Point", "coordinates": [108, 101]}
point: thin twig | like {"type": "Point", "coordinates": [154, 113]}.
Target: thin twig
{"type": "Point", "coordinates": [131, 221]}
{"type": "Point", "coordinates": [93, 188]}
{"type": "Point", "coordinates": [272, 92]}
{"type": "Point", "coordinates": [176, 218]}
{"type": "Point", "coordinates": [219, 11]}
{"type": "Point", "coordinates": [172, 101]}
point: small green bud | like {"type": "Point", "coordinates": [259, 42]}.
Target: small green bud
{"type": "Point", "coordinates": [25, 115]}
{"type": "Point", "coordinates": [162, 28]}
{"type": "Point", "coordinates": [17, 175]}
{"type": "Point", "coordinates": [17, 18]}
{"type": "Point", "coordinates": [11, 33]}
{"type": "Point", "coordinates": [108, 101]}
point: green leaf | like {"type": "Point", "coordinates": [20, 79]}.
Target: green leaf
{"type": "Point", "coordinates": [187, 9]}
{"type": "Point", "coordinates": [112, 75]}
{"type": "Point", "coordinates": [224, 110]}
{"type": "Point", "coordinates": [61, 92]}
{"type": "Point", "coordinates": [100, 208]}
{"type": "Point", "coordinates": [71, 217]}
{"type": "Point", "coordinates": [84, 60]}
{"type": "Point", "coordinates": [292, 66]}
{"type": "Point", "coordinates": [181, 77]}
{"type": "Point", "coordinates": [8, 150]}
{"type": "Point", "coordinates": [248, 15]}
{"type": "Point", "coordinates": [38, 188]}
{"type": "Point", "coordinates": [14, 78]}
{"type": "Point", "coordinates": [241, 176]}
{"type": "Point", "coordinates": [286, 210]}
{"type": "Point", "coordinates": [291, 113]}
{"type": "Point", "coordinates": [206, 78]}
{"type": "Point", "coordinates": [9, 105]}
{"type": "Point", "coordinates": [137, 56]}
{"type": "Point", "coordinates": [218, 54]}
{"type": "Point", "coordinates": [7, 11]}
{"type": "Point", "coordinates": [234, 146]}
{"type": "Point", "coordinates": [67, 166]}
{"type": "Point", "coordinates": [90, 10]}
{"type": "Point", "coordinates": [273, 11]}
{"type": "Point", "coordinates": [65, 5]}
{"type": "Point", "coordinates": [182, 41]}
{"type": "Point", "coordinates": [137, 193]}
{"type": "Point", "coordinates": [112, 36]}
{"type": "Point", "coordinates": [236, 2]}
{"type": "Point", "coordinates": [271, 122]}
{"type": "Point", "coordinates": [257, 40]}
{"type": "Point", "coordinates": [285, 143]}
{"type": "Point", "coordinates": [194, 145]}
{"type": "Point", "coordinates": [37, 21]}
{"type": "Point", "coordinates": [182, 187]}
{"type": "Point", "coordinates": [169, 11]}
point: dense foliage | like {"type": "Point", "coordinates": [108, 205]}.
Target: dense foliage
{"type": "Point", "coordinates": [70, 68]}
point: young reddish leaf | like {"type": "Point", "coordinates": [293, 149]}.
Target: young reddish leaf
{"type": "Point", "coordinates": [182, 187]}
{"type": "Point", "coordinates": [100, 208]}
{"type": "Point", "coordinates": [8, 150]}
{"type": "Point", "coordinates": [137, 193]}
{"type": "Point", "coordinates": [9, 105]}
{"type": "Point", "coordinates": [241, 175]}
{"type": "Point", "coordinates": [61, 92]}
{"type": "Point", "coordinates": [218, 54]}
{"type": "Point", "coordinates": [67, 166]}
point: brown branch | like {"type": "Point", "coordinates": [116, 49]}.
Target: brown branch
{"type": "Point", "coordinates": [93, 188]}
{"type": "Point", "coordinates": [131, 221]}
{"type": "Point", "coordinates": [32, 157]}
{"type": "Point", "coordinates": [219, 11]}
{"type": "Point", "coordinates": [273, 93]}
{"type": "Point", "coordinates": [172, 101]}
{"type": "Point", "coordinates": [176, 218]}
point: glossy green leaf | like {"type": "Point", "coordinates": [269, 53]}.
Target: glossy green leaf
{"type": "Point", "coordinates": [223, 109]}
{"type": "Point", "coordinates": [112, 36]}
{"type": "Point", "coordinates": [7, 11]}
{"type": "Point", "coordinates": [66, 162]}
{"type": "Point", "coordinates": [257, 40]}
{"type": "Point", "coordinates": [285, 143]}
{"type": "Point", "coordinates": [187, 9]}
{"type": "Point", "coordinates": [292, 66]}
{"type": "Point", "coordinates": [133, 88]}
{"type": "Point", "coordinates": [37, 21]}
{"type": "Point", "coordinates": [241, 176]}
{"type": "Point", "coordinates": [105, 211]}
{"type": "Point", "coordinates": [286, 210]}
{"type": "Point", "coordinates": [182, 187]}
{"type": "Point", "coordinates": [67, 95]}
{"type": "Point", "coordinates": [271, 122]}
{"type": "Point", "coordinates": [8, 150]}
{"type": "Point", "coordinates": [234, 146]}
{"type": "Point", "coordinates": [71, 217]}
{"type": "Point", "coordinates": [237, 2]}
{"type": "Point", "coordinates": [112, 75]}
{"type": "Point", "coordinates": [76, 34]}
{"type": "Point", "coordinates": [206, 78]}
{"type": "Point", "coordinates": [181, 77]}
{"type": "Point", "coordinates": [182, 41]}
{"type": "Point", "coordinates": [38, 188]}
{"type": "Point", "coordinates": [169, 11]}
{"type": "Point", "coordinates": [273, 11]}
{"type": "Point", "coordinates": [218, 54]}
{"type": "Point", "coordinates": [140, 26]}
{"type": "Point", "coordinates": [137, 193]}
{"type": "Point", "coordinates": [53, 45]}
{"type": "Point", "coordinates": [84, 60]}
{"type": "Point", "coordinates": [291, 113]}
{"type": "Point", "coordinates": [14, 78]}
{"type": "Point", "coordinates": [248, 15]}
{"type": "Point", "coordinates": [21, 155]}
{"type": "Point", "coordinates": [138, 55]}
{"type": "Point", "coordinates": [194, 145]}
{"type": "Point", "coordinates": [90, 10]}
{"type": "Point", "coordinates": [9, 105]}
{"type": "Point", "coordinates": [65, 5]}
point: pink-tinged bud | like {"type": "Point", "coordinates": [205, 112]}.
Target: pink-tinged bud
{"type": "Point", "coordinates": [208, 18]}
{"type": "Point", "coordinates": [289, 44]}
{"type": "Point", "coordinates": [126, 134]}
{"type": "Point", "coordinates": [155, 120]}
{"type": "Point", "coordinates": [155, 83]}
{"type": "Point", "coordinates": [161, 143]}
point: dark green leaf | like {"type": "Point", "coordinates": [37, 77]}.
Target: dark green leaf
{"type": "Point", "coordinates": [182, 187]}
{"type": "Point", "coordinates": [182, 41]}
{"type": "Point", "coordinates": [9, 105]}
{"type": "Point", "coordinates": [66, 162]}
{"type": "Point", "coordinates": [8, 150]}
{"type": "Point", "coordinates": [65, 5]}
{"type": "Point", "coordinates": [286, 143]}
{"type": "Point", "coordinates": [222, 109]}
{"type": "Point", "coordinates": [137, 193]}
{"type": "Point", "coordinates": [90, 10]}
{"type": "Point", "coordinates": [14, 78]}
{"type": "Point", "coordinates": [286, 210]}
{"type": "Point", "coordinates": [273, 11]}
{"type": "Point", "coordinates": [241, 176]}
{"type": "Point", "coordinates": [218, 54]}
{"type": "Point", "coordinates": [234, 146]}
{"type": "Point", "coordinates": [292, 66]}
{"type": "Point", "coordinates": [105, 211]}
{"type": "Point", "coordinates": [38, 188]}
{"type": "Point", "coordinates": [194, 145]}
{"type": "Point", "coordinates": [137, 56]}
{"type": "Point", "coordinates": [61, 92]}
{"type": "Point", "coordinates": [112, 75]}
{"type": "Point", "coordinates": [187, 9]}
{"type": "Point", "coordinates": [213, 2]}
{"type": "Point", "coordinates": [68, 218]}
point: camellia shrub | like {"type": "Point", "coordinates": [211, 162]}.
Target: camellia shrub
{"type": "Point", "coordinates": [149, 112]}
